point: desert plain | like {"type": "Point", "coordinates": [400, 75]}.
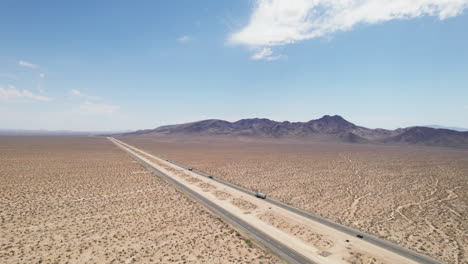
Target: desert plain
{"type": "Point", "coordinates": [414, 196]}
{"type": "Point", "coordinates": [83, 200]}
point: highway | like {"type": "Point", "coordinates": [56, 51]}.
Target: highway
{"type": "Point", "coordinates": [345, 229]}
{"type": "Point", "coordinates": [286, 253]}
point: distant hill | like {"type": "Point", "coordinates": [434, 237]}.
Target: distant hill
{"type": "Point", "coordinates": [431, 136]}
{"type": "Point", "coordinates": [459, 129]}
{"type": "Point", "coordinates": [328, 127]}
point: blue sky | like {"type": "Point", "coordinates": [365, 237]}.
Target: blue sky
{"type": "Point", "coordinates": [117, 65]}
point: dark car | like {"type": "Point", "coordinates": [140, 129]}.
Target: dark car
{"type": "Point", "coordinates": [260, 195]}
{"type": "Point", "coordinates": [360, 236]}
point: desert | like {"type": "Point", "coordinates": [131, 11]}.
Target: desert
{"type": "Point", "coordinates": [411, 195]}
{"type": "Point", "coordinates": [311, 241]}
{"type": "Point", "coordinates": [246, 131]}
{"type": "Point", "coordinates": [82, 200]}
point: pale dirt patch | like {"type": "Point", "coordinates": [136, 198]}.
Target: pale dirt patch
{"type": "Point", "coordinates": [357, 257]}
{"type": "Point", "coordinates": [302, 231]}
{"type": "Point", "coordinates": [192, 180]}
{"type": "Point", "coordinates": [221, 195]}
{"type": "Point", "coordinates": [206, 186]}
{"type": "Point", "coordinates": [243, 204]}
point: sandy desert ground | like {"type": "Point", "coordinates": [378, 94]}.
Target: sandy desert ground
{"type": "Point", "coordinates": [319, 243]}
{"type": "Point", "coordinates": [82, 200]}
{"type": "Point", "coordinates": [414, 196]}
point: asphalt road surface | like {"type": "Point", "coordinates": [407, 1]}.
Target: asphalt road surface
{"type": "Point", "coordinates": [282, 250]}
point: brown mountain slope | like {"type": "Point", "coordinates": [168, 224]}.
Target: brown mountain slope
{"type": "Point", "coordinates": [430, 137]}
{"type": "Point", "coordinates": [330, 127]}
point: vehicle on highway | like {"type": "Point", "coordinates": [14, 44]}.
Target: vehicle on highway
{"type": "Point", "coordinates": [260, 195]}
{"type": "Point", "coordinates": [190, 169]}
{"type": "Point", "coordinates": [360, 236]}
{"type": "Point", "coordinates": [211, 177]}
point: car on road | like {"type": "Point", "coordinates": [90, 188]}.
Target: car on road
{"type": "Point", "coordinates": [190, 169]}
{"type": "Point", "coordinates": [260, 195]}
{"type": "Point", "coordinates": [360, 236]}
{"type": "Point", "coordinates": [211, 177]}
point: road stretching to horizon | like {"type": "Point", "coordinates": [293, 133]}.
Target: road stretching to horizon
{"type": "Point", "coordinates": [281, 249]}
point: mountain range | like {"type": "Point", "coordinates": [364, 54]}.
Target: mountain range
{"type": "Point", "coordinates": [460, 129]}
{"type": "Point", "coordinates": [327, 127]}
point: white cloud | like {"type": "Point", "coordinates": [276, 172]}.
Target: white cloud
{"type": "Point", "coordinates": [27, 64]}
{"type": "Point", "coordinates": [78, 93]}
{"type": "Point", "coordinates": [42, 75]}
{"type": "Point", "coordinates": [265, 54]}
{"type": "Point", "coordinates": [75, 92]}
{"type": "Point", "coordinates": [184, 39]}
{"type": "Point", "coordinates": [11, 93]}
{"type": "Point", "coordinates": [280, 22]}
{"type": "Point", "coordinates": [92, 108]}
